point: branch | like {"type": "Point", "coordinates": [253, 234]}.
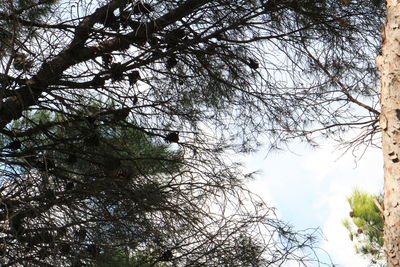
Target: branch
{"type": "Point", "coordinates": [341, 85]}
{"type": "Point", "coordinates": [378, 206]}
{"type": "Point", "coordinates": [76, 52]}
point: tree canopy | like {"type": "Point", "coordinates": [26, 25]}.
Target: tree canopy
{"type": "Point", "coordinates": [208, 62]}
{"type": "Point", "coordinates": [116, 115]}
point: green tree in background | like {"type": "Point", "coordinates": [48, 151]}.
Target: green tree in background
{"type": "Point", "coordinates": [63, 206]}
{"type": "Point", "coordinates": [366, 224]}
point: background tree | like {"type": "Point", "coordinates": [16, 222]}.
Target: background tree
{"type": "Point", "coordinates": [366, 225]}
{"type": "Point", "coordinates": [203, 77]}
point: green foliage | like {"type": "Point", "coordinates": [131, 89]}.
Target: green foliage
{"type": "Point", "coordinates": [107, 173]}
{"type": "Point", "coordinates": [366, 224]}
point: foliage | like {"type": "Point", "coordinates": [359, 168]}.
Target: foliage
{"type": "Point", "coordinates": [366, 224]}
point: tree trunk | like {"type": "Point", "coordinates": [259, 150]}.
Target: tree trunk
{"type": "Point", "coordinates": [389, 65]}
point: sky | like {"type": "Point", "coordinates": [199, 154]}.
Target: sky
{"type": "Point", "coordinates": [309, 188]}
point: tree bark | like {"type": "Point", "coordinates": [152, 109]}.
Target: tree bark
{"type": "Point", "coordinates": [389, 65]}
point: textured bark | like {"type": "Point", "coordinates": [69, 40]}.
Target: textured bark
{"type": "Point", "coordinates": [389, 64]}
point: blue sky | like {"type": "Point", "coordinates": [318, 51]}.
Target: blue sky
{"type": "Point", "coordinates": [309, 188]}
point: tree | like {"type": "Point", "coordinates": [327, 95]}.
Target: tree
{"type": "Point", "coordinates": [165, 72]}
{"type": "Point", "coordinates": [90, 160]}
{"type": "Point", "coordinates": [366, 225]}
{"type": "Point", "coordinates": [387, 63]}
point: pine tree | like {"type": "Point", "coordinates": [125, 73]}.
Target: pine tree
{"type": "Point", "coordinates": [366, 225]}
{"type": "Point", "coordinates": [190, 80]}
